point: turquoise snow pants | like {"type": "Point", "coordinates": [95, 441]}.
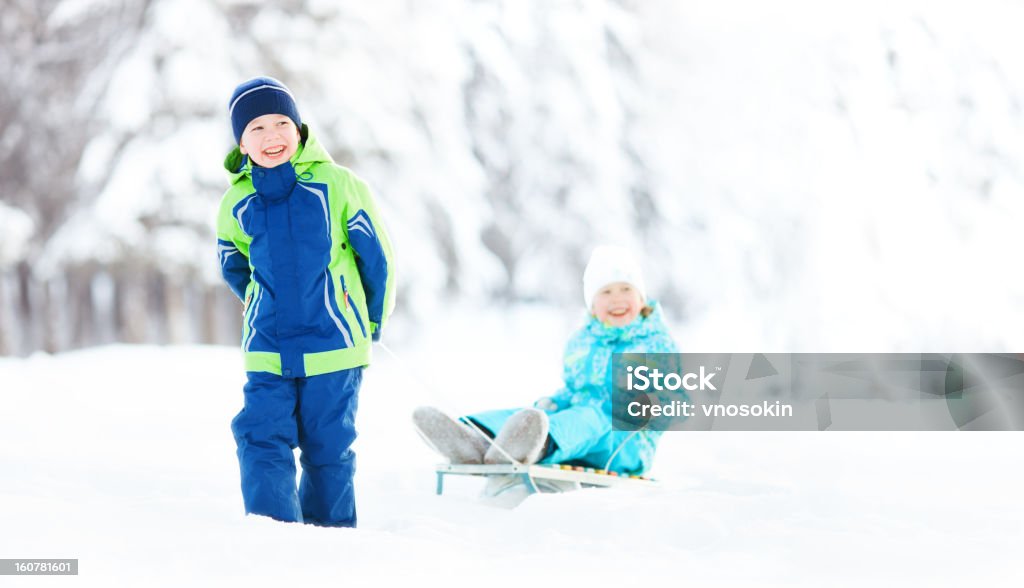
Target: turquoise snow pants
{"type": "Point", "coordinates": [583, 435]}
{"type": "Point", "coordinates": [315, 414]}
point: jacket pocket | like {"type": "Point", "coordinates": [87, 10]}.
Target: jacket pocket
{"type": "Point", "coordinates": [337, 316]}
{"type": "Point", "coordinates": [352, 303]}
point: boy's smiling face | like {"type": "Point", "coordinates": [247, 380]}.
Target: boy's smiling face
{"type": "Point", "coordinates": [270, 140]}
{"type": "Point", "coordinates": [617, 304]}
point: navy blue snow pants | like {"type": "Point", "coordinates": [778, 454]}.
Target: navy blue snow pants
{"type": "Point", "coordinates": [317, 415]}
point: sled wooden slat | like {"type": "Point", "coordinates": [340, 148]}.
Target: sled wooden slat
{"type": "Point", "coordinates": [585, 477]}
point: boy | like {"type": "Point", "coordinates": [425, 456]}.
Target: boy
{"type": "Point", "coordinates": [301, 244]}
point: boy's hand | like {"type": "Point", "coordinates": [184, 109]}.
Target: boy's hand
{"type": "Point", "coordinates": [245, 305]}
{"type": "Point", "coordinates": [375, 331]}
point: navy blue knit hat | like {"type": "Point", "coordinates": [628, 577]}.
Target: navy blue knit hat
{"type": "Point", "coordinates": [256, 97]}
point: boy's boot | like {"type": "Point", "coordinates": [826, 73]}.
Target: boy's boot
{"type": "Point", "coordinates": [523, 438]}
{"type": "Point", "coordinates": [450, 438]}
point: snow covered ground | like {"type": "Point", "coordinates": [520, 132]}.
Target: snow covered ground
{"type": "Point", "coordinates": [122, 457]}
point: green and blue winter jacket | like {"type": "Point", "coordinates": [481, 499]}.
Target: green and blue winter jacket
{"type": "Point", "coordinates": [302, 245]}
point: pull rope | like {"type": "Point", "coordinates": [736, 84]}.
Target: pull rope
{"type": "Point", "coordinates": [433, 392]}
{"type": "Point", "coordinates": [619, 448]}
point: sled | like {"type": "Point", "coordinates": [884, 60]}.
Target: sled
{"type": "Point", "coordinates": [546, 478]}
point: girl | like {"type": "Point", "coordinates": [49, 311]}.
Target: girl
{"type": "Point", "coordinates": [574, 425]}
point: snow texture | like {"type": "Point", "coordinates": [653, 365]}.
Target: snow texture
{"type": "Point", "coordinates": [123, 458]}
{"type": "Point", "coordinates": [15, 238]}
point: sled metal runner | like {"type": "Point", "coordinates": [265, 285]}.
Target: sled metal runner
{"type": "Point", "coordinates": [534, 476]}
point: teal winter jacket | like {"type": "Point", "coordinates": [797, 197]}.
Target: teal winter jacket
{"type": "Point", "coordinates": [587, 366]}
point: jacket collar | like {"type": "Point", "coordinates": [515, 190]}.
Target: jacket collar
{"type": "Point", "coordinates": [640, 327]}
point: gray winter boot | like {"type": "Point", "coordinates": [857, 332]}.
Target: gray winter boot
{"type": "Point", "coordinates": [523, 438]}
{"type": "Point", "coordinates": [449, 437]}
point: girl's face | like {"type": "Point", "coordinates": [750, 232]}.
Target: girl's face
{"type": "Point", "coordinates": [617, 305]}
{"type": "Point", "coordinates": [270, 140]}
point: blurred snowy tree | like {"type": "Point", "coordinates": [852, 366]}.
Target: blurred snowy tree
{"type": "Point", "coordinates": [57, 57]}
{"type": "Point", "coordinates": [767, 161]}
